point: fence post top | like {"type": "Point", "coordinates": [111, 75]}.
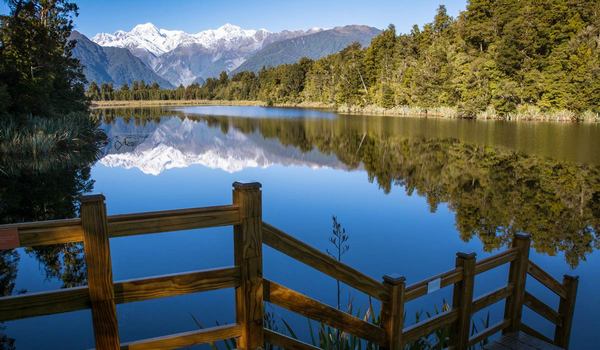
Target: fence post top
{"type": "Point", "coordinates": [524, 236]}
{"type": "Point", "coordinates": [394, 279]}
{"type": "Point", "coordinates": [466, 256]}
{"type": "Point", "coordinates": [92, 198]}
{"type": "Point", "coordinates": [571, 277]}
{"type": "Point", "coordinates": [247, 186]}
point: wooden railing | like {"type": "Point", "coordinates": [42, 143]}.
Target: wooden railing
{"type": "Point", "coordinates": [94, 228]}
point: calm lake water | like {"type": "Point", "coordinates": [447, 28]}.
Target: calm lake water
{"type": "Point", "coordinates": [410, 192]}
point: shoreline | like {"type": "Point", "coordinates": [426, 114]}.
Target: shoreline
{"type": "Point", "coordinates": [528, 114]}
{"type": "Point", "coordinates": [160, 103]}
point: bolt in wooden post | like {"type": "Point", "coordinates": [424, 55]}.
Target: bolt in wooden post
{"type": "Point", "coordinates": [248, 256]}
{"type": "Point", "coordinates": [566, 308]}
{"type": "Point", "coordinates": [516, 277]}
{"type": "Point", "coordinates": [392, 311]}
{"type": "Point", "coordinates": [99, 271]}
{"type": "Point", "coordinates": [462, 300]}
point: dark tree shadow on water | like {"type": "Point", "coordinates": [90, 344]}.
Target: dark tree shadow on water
{"type": "Point", "coordinates": [47, 187]}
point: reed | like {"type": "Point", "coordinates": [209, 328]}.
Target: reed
{"type": "Point", "coordinates": [40, 142]}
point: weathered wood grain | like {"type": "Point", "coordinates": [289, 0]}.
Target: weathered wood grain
{"type": "Point", "coordinates": [392, 311]}
{"type": "Point", "coordinates": [419, 289]}
{"type": "Point", "coordinates": [248, 256]}
{"type": "Point", "coordinates": [462, 300]}
{"type": "Point", "coordinates": [44, 303]}
{"type": "Point", "coordinates": [496, 260]}
{"type": "Point", "coordinates": [286, 342]}
{"type": "Point", "coordinates": [99, 271]}
{"type": "Point", "coordinates": [492, 297]}
{"type": "Point", "coordinates": [566, 309]}
{"type": "Point", "coordinates": [180, 340]}
{"type": "Point", "coordinates": [519, 341]}
{"type": "Point", "coordinates": [426, 327]}
{"type": "Point", "coordinates": [42, 233]}
{"type": "Point", "coordinates": [172, 220]}
{"type": "Point", "coordinates": [532, 332]}
{"type": "Point", "coordinates": [299, 303]}
{"type": "Point", "coordinates": [176, 284]}
{"type": "Point", "coordinates": [312, 257]}
{"type": "Point", "coordinates": [517, 276]}
{"type": "Point", "coordinates": [542, 309]}
{"type": "Point", "coordinates": [488, 332]}
{"type": "Point", "coordinates": [546, 279]}
{"type": "Point", "coordinates": [73, 299]}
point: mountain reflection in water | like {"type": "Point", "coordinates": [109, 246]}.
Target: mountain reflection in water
{"type": "Point", "coordinates": [494, 191]}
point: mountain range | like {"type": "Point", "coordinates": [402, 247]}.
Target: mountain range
{"type": "Point", "coordinates": [173, 58]}
{"type": "Point", "coordinates": [112, 64]}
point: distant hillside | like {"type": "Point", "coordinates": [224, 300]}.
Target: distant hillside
{"type": "Point", "coordinates": [313, 46]}
{"type": "Point", "coordinates": [112, 64]}
{"type": "Point", "coordinates": [186, 58]}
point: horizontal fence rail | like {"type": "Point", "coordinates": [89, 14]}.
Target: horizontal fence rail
{"type": "Point", "coordinates": [94, 228]}
{"type": "Point", "coordinates": [419, 289]}
{"type": "Point", "coordinates": [180, 340]}
{"type": "Point", "coordinates": [73, 299]}
{"type": "Point", "coordinates": [70, 231]}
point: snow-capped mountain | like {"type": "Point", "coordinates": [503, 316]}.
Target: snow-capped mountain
{"type": "Point", "coordinates": [184, 58]}
{"type": "Point", "coordinates": [159, 41]}
{"type": "Point", "coordinates": [176, 143]}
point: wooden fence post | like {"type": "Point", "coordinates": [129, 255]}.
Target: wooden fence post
{"type": "Point", "coordinates": [516, 277]}
{"type": "Point", "coordinates": [248, 256]}
{"type": "Point", "coordinates": [566, 309]}
{"type": "Point", "coordinates": [392, 311]}
{"type": "Point", "coordinates": [462, 300]}
{"type": "Point", "coordinates": [99, 271]}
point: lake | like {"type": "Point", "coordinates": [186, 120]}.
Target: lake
{"type": "Point", "coordinates": [410, 193]}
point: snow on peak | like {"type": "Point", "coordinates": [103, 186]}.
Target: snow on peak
{"type": "Point", "coordinates": [159, 41]}
{"type": "Point", "coordinates": [146, 28]}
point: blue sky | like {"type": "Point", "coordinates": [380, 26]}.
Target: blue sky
{"type": "Point", "coordinates": [275, 15]}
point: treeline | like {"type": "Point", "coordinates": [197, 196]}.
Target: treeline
{"type": "Point", "coordinates": [141, 91]}
{"type": "Point", "coordinates": [496, 58]}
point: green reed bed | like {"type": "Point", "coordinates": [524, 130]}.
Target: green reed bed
{"type": "Point", "coordinates": [41, 136]}
{"type": "Point", "coordinates": [37, 141]}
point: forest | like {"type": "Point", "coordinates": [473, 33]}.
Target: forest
{"type": "Point", "coordinates": [498, 59]}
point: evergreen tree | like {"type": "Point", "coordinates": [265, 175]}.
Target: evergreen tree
{"type": "Point", "coordinates": [36, 64]}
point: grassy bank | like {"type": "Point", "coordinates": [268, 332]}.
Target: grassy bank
{"type": "Point", "coordinates": [522, 113]}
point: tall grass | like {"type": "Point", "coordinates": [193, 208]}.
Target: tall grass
{"type": "Point", "coordinates": [40, 142]}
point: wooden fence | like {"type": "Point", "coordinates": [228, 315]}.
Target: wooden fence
{"type": "Point", "coordinates": [94, 228]}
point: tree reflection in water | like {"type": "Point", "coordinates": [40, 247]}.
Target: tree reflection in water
{"type": "Point", "coordinates": [44, 188]}
{"type": "Point", "coordinates": [495, 192]}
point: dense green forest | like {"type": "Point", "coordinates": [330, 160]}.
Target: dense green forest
{"type": "Point", "coordinates": [497, 59]}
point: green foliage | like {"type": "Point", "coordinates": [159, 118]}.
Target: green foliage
{"type": "Point", "coordinates": [496, 56]}
{"type": "Point", "coordinates": [37, 69]}
{"type": "Point", "coordinates": [37, 142]}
